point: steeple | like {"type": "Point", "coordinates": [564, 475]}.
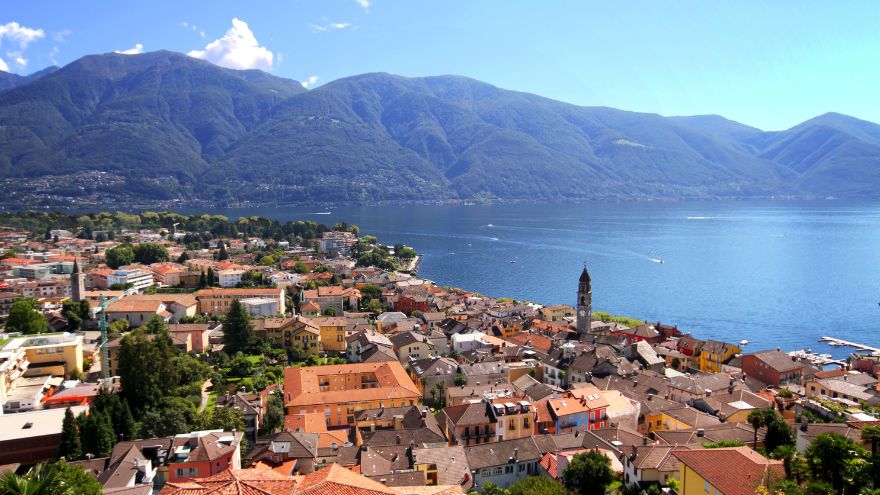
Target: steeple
{"type": "Point", "coordinates": [584, 303]}
{"type": "Point", "coordinates": [77, 282]}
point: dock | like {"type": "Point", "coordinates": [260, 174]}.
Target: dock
{"type": "Point", "coordinates": [846, 343]}
{"type": "Point", "coordinates": [816, 359]}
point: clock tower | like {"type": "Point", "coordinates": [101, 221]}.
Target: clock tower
{"type": "Point", "coordinates": [584, 303]}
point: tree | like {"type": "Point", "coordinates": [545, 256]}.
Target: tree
{"type": "Point", "coordinates": [149, 253]}
{"type": "Point", "coordinates": [588, 474]}
{"type": "Point", "coordinates": [25, 317]}
{"type": "Point", "coordinates": [330, 312]}
{"type": "Point", "coordinates": [871, 436]}
{"type": "Point", "coordinates": [223, 254]}
{"type": "Point", "coordinates": [119, 256]}
{"type": "Point", "coordinates": [139, 371]}
{"type": "Point", "coordinates": [490, 488]}
{"type": "Point", "coordinates": [40, 480]}
{"type": "Point", "coordinates": [779, 433]}
{"type": "Point", "coordinates": [238, 333]}
{"type": "Point", "coordinates": [183, 258]}
{"type": "Point", "coordinates": [757, 419]}
{"type": "Point", "coordinates": [537, 485]}
{"type": "Point", "coordinates": [69, 447]}
{"type": "Point", "coordinates": [74, 480]}
{"type": "Point", "coordinates": [829, 456]}
{"type": "Point", "coordinates": [96, 434]}
{"type": "Point", "coordinates": [274, 418]}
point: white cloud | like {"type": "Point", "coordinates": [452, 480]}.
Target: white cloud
{"type": "Point", "coordinates": [61, 36]}
{"type": "Point", "coordinates": [53, 54]}
{"type": "Point", "coordinates": [365, 4]}
{"type": "Point", "coordinates": [327, 27]}
{"type": "Point", "coordinates": [311, 81]}
{"type": "Point", "coordinates": [193, 27]}
{"type": "Point", "coordinates": [21, 61]}
{"type": "Point", "coordinates": [3, 66]}
{"type": "Point", "coordinates": [237, 49]}
{"type": "Point", "coordinates": [135, 50]}
{"type": "Point", "coordinates": [17, 33]}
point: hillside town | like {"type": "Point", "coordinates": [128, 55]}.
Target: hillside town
{"type": "Point", "coordinates": [181, 355]}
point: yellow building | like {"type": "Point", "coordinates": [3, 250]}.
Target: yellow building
{"type": "Point", "coordinates": [725, 471]}
{"type": "Point", "coordinates": [57, 354]}
{"type": "Point", "coordinates": [332, 330]}
{"type": "Point", "coordinates": [514, 418]}
{"type": "Point", "coordinates": [681, 418]}
{"type": "Point", "coordinates": [557, 312]}
{"type": "Point", "coordinates": [714, 353]}
{"type": "Point", "coordinates": [299, 335]}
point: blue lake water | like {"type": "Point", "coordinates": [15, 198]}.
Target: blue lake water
{"type": "Point", "coordinates": [780, 274]}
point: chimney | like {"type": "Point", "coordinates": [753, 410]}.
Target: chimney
{"type": "Point", "coordinates": [397, 439]}
{"type": "Point", "coordinates": [515, 454]}
{"type": "Point", "coordinates": [645, 441]}
{"type": "Point", "coordinates": [701, 432]}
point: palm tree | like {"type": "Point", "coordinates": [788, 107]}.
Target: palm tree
{"type": "Point", "coordinates": [787, 453]}
{"type": "Point", "coordinates": [40, 480]}
{"type": "Point", "coordinates": [756, 419]}
{"type": "Point", "coordinates": [871, 436]}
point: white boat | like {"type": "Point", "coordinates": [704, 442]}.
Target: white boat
{"type": "Point", "coordinates": [451, 254]}
{"type": "Point", "coordinates": [743, 342]}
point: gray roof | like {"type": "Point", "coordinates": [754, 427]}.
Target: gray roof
{"type": "Point", "coordinates": [499, 453]}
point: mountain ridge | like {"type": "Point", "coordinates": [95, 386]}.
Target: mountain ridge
{"type": "Point", "coordinates": [174, 128]}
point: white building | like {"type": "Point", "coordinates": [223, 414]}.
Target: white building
{"type": "Point", "coordinates": [261, 306]}
{"type": "Point", "coordinates": [138, 278]}
{"type": "Point", "coordinates": [464, 342]}
{"type": "Point", "coordinates": [230, 278]}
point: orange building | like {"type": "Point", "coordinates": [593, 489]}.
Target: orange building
{"type": "Point", "coordinates": [338, 391]}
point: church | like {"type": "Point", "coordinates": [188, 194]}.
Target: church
{"type": "Point", "coordinates": [584, 303]}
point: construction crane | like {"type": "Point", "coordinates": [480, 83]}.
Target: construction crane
{"type": "Point", "coordinates": [102, 325]}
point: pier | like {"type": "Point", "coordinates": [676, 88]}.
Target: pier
{"type": "Point", "coordinates": [846, 343]}
{"type": "Point", "coordinates": [816, 359]}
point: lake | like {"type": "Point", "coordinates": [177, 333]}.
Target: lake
{"type": "Point", "coordinates": [780, 274]}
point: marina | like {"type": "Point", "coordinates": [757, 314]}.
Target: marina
{"type": "Point", "coordinates": [845, 343]}
{"type": "Point", "coordinates": [817, 359]}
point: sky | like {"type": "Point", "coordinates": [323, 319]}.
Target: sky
{"type": "Point", "coordinates": [770, 65]}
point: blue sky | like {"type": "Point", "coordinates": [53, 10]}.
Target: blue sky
{"type": "Point", "coordinates": [766, 64]}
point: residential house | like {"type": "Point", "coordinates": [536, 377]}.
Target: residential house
{"type": "Point", "coordinates": [503, 463]}
{"type": "Point", "coordinates": [365, 341]}
{"type": "Point", "coordinates": [325, 297]}
{"type": "Point", "coordinates": [843, 391]}
{"type": "Point", "coordinates": [557, 312]}
{"type": "Point", "coordinates": [411, 346]}
{"type": "Point", "coordinates": [340, 390]}
{"type": "Point", "coordinates": [469, 424]}
{"type": "Point", "coordinates": [513, 418]}
{"type": "Point", "coordinates": [333, 331]}
{"type": "Point", "coordinates": [725, 471]}
{"type": "Point", "coordinates": [202, 454]}
{"type": "Point", "coordinates": [773, 367]}
{"type": "Point", "coordinates": [714, 353]}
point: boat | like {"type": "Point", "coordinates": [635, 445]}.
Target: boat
{"type": "Point", "coordinates": [743, 342]}
{"type": "Point", "coordinates": [451, 253]}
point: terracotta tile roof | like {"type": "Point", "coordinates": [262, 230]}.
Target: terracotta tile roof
{"type": "Point", "coordinates": [134, 306]}
{"type": "Point", "coordinates": [260, 480]}
{"type": "Point", "coordinates": [733, 471]}
{"type": "Point", "coordinates": [550, 464]}
{"type": "Point", "coordinates": [340, 481]}
{"type": "Point", "coordinates": [303, 384]}
{"type": "Point", "coordinates": [237, 292]}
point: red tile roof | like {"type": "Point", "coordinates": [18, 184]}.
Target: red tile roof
{"type": "Point", "coordinates": [733, 471]}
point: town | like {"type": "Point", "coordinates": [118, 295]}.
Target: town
{"type": "Point", "coordinates": [177, 354]}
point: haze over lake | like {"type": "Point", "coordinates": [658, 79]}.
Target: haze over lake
{"type": "Point", "coordinates": [780, 274]}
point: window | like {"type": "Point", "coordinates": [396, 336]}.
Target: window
{"type": "Point", "coordinates": [522, 467]}
{"type": "Point", "coordinates": [508, 469]}
{"type": "Point", "coordinates": [526, 423]}
{"type": "Point", "coordinates": [706, 486]}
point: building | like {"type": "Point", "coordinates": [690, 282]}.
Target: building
{"type": "Point", "coordinates": [585, 303]}
{"type": "Point", "coordinates": [411, 346]}
{"type": "Point", "coordinates": [573, 413]}
{"type": "Point", "coordinates": [261, 306]}
{"type": "Point", "coordinates": [326, 297]}
{"type": "Point", "coordinates": [843, 391]}
{"type": "Point", "coordinates": [340, 390]}
{"type": "Point", "coordinates": [198, 333]}
{"type": "Point", "coordinates": [217, 301]}
{"type": "Point", "coordinates": [725, 471]}
{"type": "Point", "coordinates": [557, 312]}
{"type": "Point", "coordinates": [333, 332]}
{"type": "Point", "coordinates": [513, 417]}
{"type": "Point", "coordinates": [773, 367]}
{"type": "Point", "coordinates": [137, 312]}
{"type": "Point", "coordinates": [202, 454]}
{"type": "Point", "coordinates": [715, 353]}
{"type": "Point", "coordinates": [77, 282]}
{"type": "Point", "coordinates": [470, 423]}
{"type": "Point", "coordinates": [139, 278]}
{"type": "Point", "coordinates": [32, 437]}
{"type": "Point", "coordinates": [56, 354]}
{"type": "Point", "coordinates": [503, 463]}
{"type": "Point", "coordinates": [229, 278]}
{"type": "Point", "coordinates": [337, 244]}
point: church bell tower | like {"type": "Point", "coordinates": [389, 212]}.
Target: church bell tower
{"type": "Point", "coordinates": [584, 303]}
{"type": "Point", "coordinates": [77, 282]}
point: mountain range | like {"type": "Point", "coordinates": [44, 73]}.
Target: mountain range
{"type": "Point", "coordinates": [163, 126]}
